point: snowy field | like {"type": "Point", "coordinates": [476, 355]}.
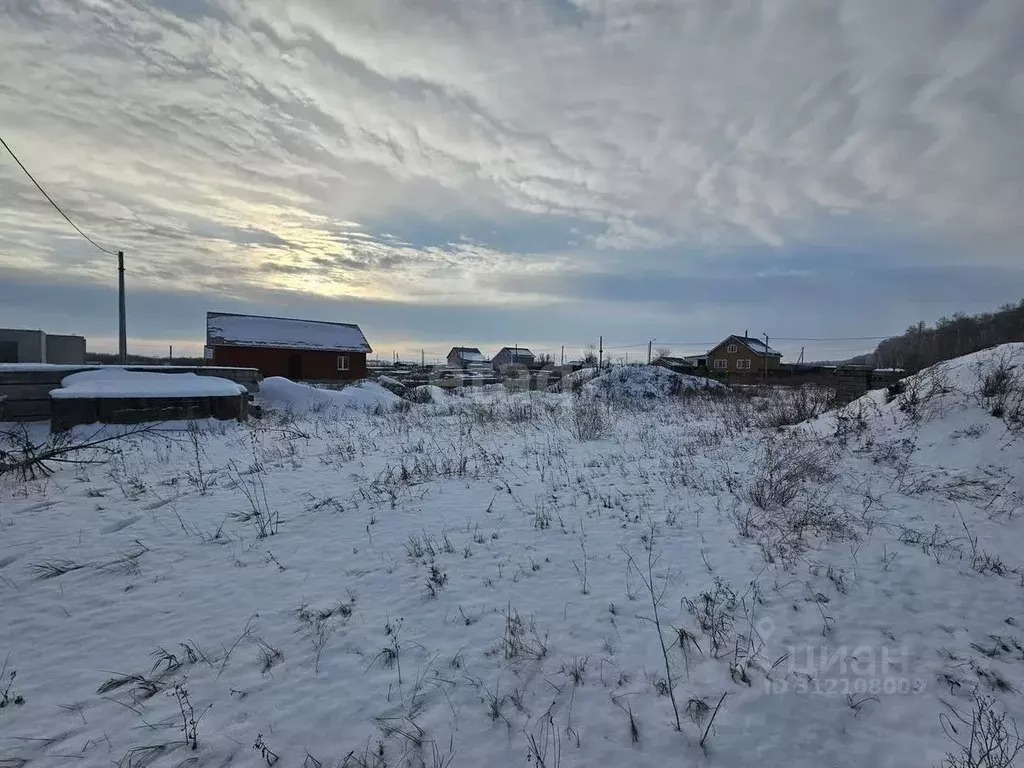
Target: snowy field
{"type": "Point", "coordinates": [627, 576]}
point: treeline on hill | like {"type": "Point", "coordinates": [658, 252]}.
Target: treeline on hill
{"type": "Point", "coordinates": [950, 337]}
{"type": "Point", "coordinates": [110, 358]}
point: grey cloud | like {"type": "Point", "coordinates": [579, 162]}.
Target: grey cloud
{"type": "Point", "coordinates": [510, 146]}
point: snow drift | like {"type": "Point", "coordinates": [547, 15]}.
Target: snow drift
{"type": "Point", "coordinates": [278, 392]}
{"type": "Point", "coordinates": [979, 390]}
{"type": "Point", "coordinates": [645, 382]}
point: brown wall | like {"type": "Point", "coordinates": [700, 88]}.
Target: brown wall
{"type": "Point", "coordinates": [316, 366]}
{"type": "Point", "coordinates": [757, 362]}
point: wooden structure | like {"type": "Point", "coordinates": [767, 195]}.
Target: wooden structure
{"type": "Point", "coordinates": [25, 389]}
{"type": "Point", "coordinates": [300, 350]}
{"type": "Point", "coordinates": [70, 412]}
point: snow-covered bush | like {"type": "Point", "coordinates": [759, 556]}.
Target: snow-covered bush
{"type": "Point", "coordinates": [794, 405]}
{"type": "Point", "coordinates": [587, 420]}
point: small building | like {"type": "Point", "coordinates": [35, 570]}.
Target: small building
{"type": "Point", "coordinates": [513, 356]}
{"type": "Point", "coordinates": [743, 354]}
{"type": "Point", "coordinates": [301, 350]}
{"type": "Point", "coordinates": [32, 346]}
{"type": "Point", "coordinates": [466, 357]}
{"type": "Point", "coordinates": [688, 364]}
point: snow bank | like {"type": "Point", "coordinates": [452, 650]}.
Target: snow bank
{"type": "Point", "coordinates": [428, 393]}
{"type": "Point", "coordinates": [392, 385]}
{"type": "Point", "coordinates": [941, 404]}
{"type": "Point", "coordinates": [278, 392]}
{"type": "Point", "coordinates": [645, 381]}
{"type": "Point", "coordinates": [574, 380]}
{"type": "Point", "coordinates": [953, 385]}
{"type": "Point", "coordinates": [117, 383]}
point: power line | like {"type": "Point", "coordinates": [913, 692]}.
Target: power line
{"type": "Point", "coordinates": [834, 338]}
{"type": "Point", "coordinates": [50, 200]}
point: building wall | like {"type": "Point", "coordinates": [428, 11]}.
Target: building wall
{"type": "Point", "coordinates": [315, 365]}
{"type": "Point", "coordinates": [31, 345]}
{"type": "Point", "coordinates": [505, 358]}
{"type": "Point", "coordinates": [757, 362]}
{"type": "Point", "coordinates": [65, 350]}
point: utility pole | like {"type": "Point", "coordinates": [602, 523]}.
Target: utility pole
{"type": "Point", "coordinates": [600, 352]}
{"type": "Point", "coordinates": [423, 359]}
{"type": "Point", "coordinates": [563, 354]}
{"type": "Point", "coordinates": [170, 352]}
{"type": "Point", "coordinates": [649, 347]}
{"type": "Point", "coordinates": [766, 357]}
{"type": "Point", "coordinates": [122, 338]}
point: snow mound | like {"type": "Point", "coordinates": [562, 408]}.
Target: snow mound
{"type": "Point", "coordinates": [427, 393]}
{"type": "Point", "coordinates": [118, 383]}
{"type": "Point", "coordinates": [392, 385]}
{"type": "Point", "coordinates": [967, 392]}
{"type": "Point", "coordinates": [646, 381]}
{"type": "Point", "coordinates": [279, 392]}
{"type": "Point", "coordinates": [575, 380]}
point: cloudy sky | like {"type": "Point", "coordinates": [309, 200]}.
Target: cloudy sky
{"type": "Point", "coordinates": [499, 171]}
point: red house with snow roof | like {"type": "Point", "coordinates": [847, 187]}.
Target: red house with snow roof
{"type": "Point", "coordinates": [301, 350]}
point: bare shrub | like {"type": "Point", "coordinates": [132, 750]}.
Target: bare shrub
{"type": "Point", "coordinates": [28, 459]}
{"type": "Point", "coordinates": [984, 737]}
{"type": "Point", "coordinates": [714, 611]}
{"type": "Point", "coordinates": [656, 593]}
{"type": "Point", "coordinates": [521, 640]}
{"type": "Point", "coordinates": [1001, 387]}
{"type": "Point", "coordinates": [783, 468]}
{"type": "Point", "coordinates": [264, 520]}
{"type": "Point", "coordinates": [587, 420]}
{"type": "Point", "coordinates": [794, 405]}
{"type": "Point", "coordinates": [921, 396]}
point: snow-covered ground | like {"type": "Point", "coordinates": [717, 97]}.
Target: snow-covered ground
{"type": "Point", "coordinates": [532, 579]}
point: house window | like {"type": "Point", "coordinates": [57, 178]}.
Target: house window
{"type": "Point", "coordinates": [343, 363]}
{"type": "Point", "coordinates": [731, 349]}
{"type": "Point", "coordinates": [743, 364]}
{"type": "Point", "coordinates": [721, 363]}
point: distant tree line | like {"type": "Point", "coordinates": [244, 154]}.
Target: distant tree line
{"type": "Point", "coordinates": [923, 345]}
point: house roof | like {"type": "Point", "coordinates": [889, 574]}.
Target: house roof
{"type": "Point", "coordinates": [516, 351]}
{"type": "Point", "coordinates": [224, 329]}
{"type": "Point", "coordinates": [469, 354]}
{"type": "Point", "coordinates": [754, 345]}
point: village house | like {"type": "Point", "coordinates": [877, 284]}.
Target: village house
{"type": "Point", "coordinates": [513, 356]}
{"type": "Point", "coordinates": [466, 357]}
{"type": "Point", "coordinates": [743, 354]}
{"type": "Point", "coordinates": [301, 350]}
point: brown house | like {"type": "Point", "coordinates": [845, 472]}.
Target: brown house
{"type": "Point", "coordinates": [743, 354]}
{"type": "Point", "coordinates": [309, 350]}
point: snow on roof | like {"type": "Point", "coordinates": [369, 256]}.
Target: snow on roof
{"type": "Point", "coordinates": [517, 351]}
{"type": "Point", "coordinates": [117, 383]}
{"type": "Point", "coordinates": [755, 345]}
{"type": "Point", "coordinates": [469, 354]}
{"type": "Point", "coordinates": [230, 330]}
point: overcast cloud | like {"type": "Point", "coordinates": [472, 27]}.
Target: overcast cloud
{"type": "Point", "coordinates": [492, 172]}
